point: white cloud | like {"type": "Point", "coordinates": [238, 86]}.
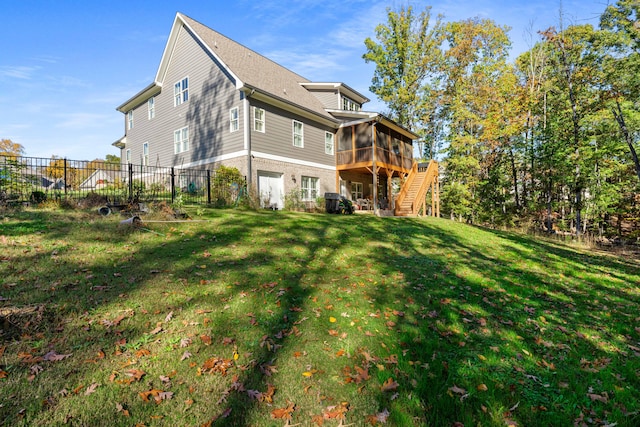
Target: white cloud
{"type": "Point", "coordinates": [18, 72]}
{"type": "Point", "coordinates": [83, 120]}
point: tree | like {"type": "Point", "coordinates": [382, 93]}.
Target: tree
{"type": "Point", "coordinates": [11, 149]}
{"type": "Point", "coordinates": [620, 61]}
{"type": "Point", "coordinates": [112, 159]}
{"type": "Point", "coordinates": [572, 63]}
{"type": "Point", "coordinates": [407, 57]}
{"type": "Point", "coordinates": [480, 102]}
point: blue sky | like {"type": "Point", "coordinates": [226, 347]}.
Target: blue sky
{"type": "Point", "coordinates": [65, 65]}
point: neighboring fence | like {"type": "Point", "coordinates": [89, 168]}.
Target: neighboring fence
{"type": "Point", "coordinates": [33, 179]}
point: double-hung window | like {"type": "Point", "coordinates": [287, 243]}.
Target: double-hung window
{"type": "Point", "coordinates": [181, 140]}
{"type": "Point", "coordinates": [298, 134]}
{"type": "Point", "coordinates": [151, 107]}
{"type": "Point", "coordinates": [310, 188]}
{"type": "Point", "coordinates": [258, 119]}
{"type": "Point", "coordinates": [234, 120]}
{"type": "Point", "coordinates": [181, 92]}
{"type": "Point", "coordinates": [130, 119]}
{"type": "Point", "coordinates": [128, 155]}
{"type": "Point", "coordinates": [328, 143]}
{"type": "Point", "coordinates": [145, 154]}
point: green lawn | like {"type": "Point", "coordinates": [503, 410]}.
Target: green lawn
{"type": "Point", "coordinates": [277, 318]}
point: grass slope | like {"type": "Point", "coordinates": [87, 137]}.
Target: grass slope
{"type": "Point", "coordinates": [275, 318]}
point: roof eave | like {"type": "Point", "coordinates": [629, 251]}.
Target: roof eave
{"type": "Point", "coordinates": [261, 95]}
{"type": "Point", "coordinates": [121, 143]}
{"type": "Point", "coordinates": [140, 97]}
{"type": "Point", "coordinates": [341, 87]}
{"type": "Point", "coordinates": [380, 118]}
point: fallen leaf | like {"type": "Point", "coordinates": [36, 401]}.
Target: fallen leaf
{"type": "Point", "coordinates": [337, 412]}
{"type": "Point", "coordinates": [52, 356]}
{"type": "Point", "coordinates": [142, 352]}
{"type": "Point", "coordinates": [389, 385]}
{"type": "Point", "coordinates": [457, 390]}
{"type": "Point", "coordinates": [91, 389]}
{"type": "Point", "coordinates": [284, 413]}
{"type": "Point", "coordinates": [135, 374]}
{"type": "Point", "coordinates": [604, 398]}
{"type": "Point", "coordinates": [482, 387]}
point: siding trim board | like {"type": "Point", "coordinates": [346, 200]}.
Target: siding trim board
{"type": "Point", "coordinates": [267, 156]}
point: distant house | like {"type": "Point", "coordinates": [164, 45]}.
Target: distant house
{"type": "Point", "coordinates": [98, 179]}
{"type": "Point", "coordinates": [216, 102]}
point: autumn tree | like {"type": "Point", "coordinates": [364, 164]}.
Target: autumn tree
{"type": "Point", "coordinates": [11, 149]}
{"type": "Point", "coordinates": [480, 90]}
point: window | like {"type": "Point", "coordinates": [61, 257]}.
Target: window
{"type": "Point", "coordinates": [356, 191]}
{"type": "Point", "coordinates": [181, 92]}
{"type": "Point", "coordinates": [310, 188]}
{"type": "Point", "coordinates": [258, 119]}
{"type": "Point", "coordinates": [349, 104]}
{"type": "Point", "coordinates": [128, 155]}
{"type": "Point", "coordinates": [145, 154]}
{"type": "Point", "coordinates": [130, 119]}
{"type": "Point", "coordinates": [234, 120]}
{"type": "Point", "coordinates": [298, 134]}
{"type": "Point", "coordinates": [328, 143]}
{"type": "Point", "coordinates": [181, 140]}
{"type": "Point", "coordinates": [151, 107]}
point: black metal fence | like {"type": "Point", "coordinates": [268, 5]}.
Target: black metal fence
{"type": "Point", "coordinates": [34, 180]}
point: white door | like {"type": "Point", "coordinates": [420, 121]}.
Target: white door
{"type": "Point", "coordinates": [271, 189]}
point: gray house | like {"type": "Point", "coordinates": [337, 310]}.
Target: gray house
{"type": "Point", "coordinates": [215, 102]}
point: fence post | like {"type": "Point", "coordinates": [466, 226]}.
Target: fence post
{"type": "Point", "coordinates": [65, 176]}
{"type": "Point", "coordinates": [208, 187]}
{"type": "Point", "coordinates": [173, 185]}
{"type": "Point", "coordinates": [130, 198]}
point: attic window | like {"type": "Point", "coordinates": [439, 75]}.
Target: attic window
{"type": "Point", "coordinates": [349, 104]}
{"type": "Point", "coordinates": [181, 92]}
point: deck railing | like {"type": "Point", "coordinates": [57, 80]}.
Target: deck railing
{"type": "Point", "coordinates": [365, 155]}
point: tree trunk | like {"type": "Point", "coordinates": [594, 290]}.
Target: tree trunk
{"type": "Point", "coordinates": [515, 179]}
{"type": "Point", "coordinates": [627, 136]}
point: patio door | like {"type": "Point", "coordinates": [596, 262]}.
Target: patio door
{"type": "Point", "coordinates": [271, 189]}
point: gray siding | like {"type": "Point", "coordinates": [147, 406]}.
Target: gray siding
{"type": "Point", "coordinates": [277, 139]}
{"type": "Point", "coordinates": [211, 95]}
{"type": "Point", "coordinates": [330, 98]}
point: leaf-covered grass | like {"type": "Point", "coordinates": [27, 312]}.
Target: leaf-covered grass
{"type": "Point", "coordinates": [275, 318]}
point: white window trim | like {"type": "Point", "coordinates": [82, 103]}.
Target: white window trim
{"type": "Point", "coordinates": [333, 143]}
{"type": "Point", "coordinates": [301, 134]}
{"type": "Point", "coordinates": [181, 144]}
{"type": "Point", "coordinates": [307, 192]}
{"type": "Point", "coordinates": [151, 107]}
{"type": "Point", "coordinates": [130, 119]}
{"type": "Point", "coordinates": [256, 121]}
{"type": "Point", "coordinates": [145, 156]}
{"type": "Point", "coordinates": [181, 95]}
{"type": "Point", "coordinates": [234, 122]}
{"type": "Point", "coordinates": [127, 155]}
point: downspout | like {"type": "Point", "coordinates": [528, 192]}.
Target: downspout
{"type": "Point", "coordinates": [247, 136]}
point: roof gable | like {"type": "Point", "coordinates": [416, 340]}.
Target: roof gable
{"type": "Point", "coordinates": [248, 69]}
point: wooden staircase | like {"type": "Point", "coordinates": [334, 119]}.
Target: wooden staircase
{"type": "Point", "coordinates": [412, 197]}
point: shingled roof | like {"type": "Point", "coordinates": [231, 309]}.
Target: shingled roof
{"type": "Point", "coordinates": [250, 69]}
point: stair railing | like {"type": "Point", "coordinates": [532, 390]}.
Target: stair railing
{"type": "Point", "coordinates": [405, 186]}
